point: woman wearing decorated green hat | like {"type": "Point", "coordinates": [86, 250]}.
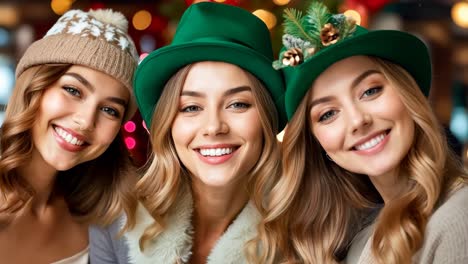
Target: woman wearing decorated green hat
{"type": "Point", "coordinates": [210, 101]}
{"type": "Point", "coordinates": [373, 178]}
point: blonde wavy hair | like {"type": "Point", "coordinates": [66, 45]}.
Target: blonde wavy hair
{"type": "Point", "coordinates": [165, 176]}
{"type": "Point", "coordinates": [316, 207]}
{"type": "Point", "coordinates": [95, 191]}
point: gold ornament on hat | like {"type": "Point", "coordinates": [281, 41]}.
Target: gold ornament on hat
{"type": "Point", "coordinates": [329, 34]}
{"type": "Point", "coordinates": [293, 57]}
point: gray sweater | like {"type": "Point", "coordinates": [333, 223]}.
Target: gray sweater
{"type": "Point", "coordinates": [105, 246]}
{"type": "Point", "coordinates": [445, 238]}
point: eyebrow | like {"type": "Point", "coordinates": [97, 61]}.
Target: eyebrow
{"type": "Point", "coordinates": [356, 81]}
{"type": "Point", "coordinates": [363, 76]}
{"type": "Point", "coordinates": [90, 87]}
{"type": "Point", "coordinates": [82, 80]}
{"type": "Point", "coordinates": [226, 93]}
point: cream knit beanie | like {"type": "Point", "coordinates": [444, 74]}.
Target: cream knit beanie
{"type": "Point", "coordinates": [97, 39]}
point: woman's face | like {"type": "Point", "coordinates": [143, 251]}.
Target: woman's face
{"type": "Point", "coordinates": [79, 117]}
{"type": "Point", "coordinates": [359, 119]}
{"type": "Point", "coordinates": [217, 131]}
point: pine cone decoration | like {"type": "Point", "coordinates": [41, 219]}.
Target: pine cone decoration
{"type": "Point", "coordinates": [292, 57]}
{"type": "Point", "coordinates": [329, 35]}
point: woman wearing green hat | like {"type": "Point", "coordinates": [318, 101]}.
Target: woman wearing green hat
{"type": "Point", "coordinates": [210, 101]}
{"type": "Point", "coordinates": [373, 178]}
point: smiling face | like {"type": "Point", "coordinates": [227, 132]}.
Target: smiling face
{"type": "Point", "coordinates": [79, 117]}
{"type": "Point", "coordinates": [359, 119]}
{"type": "Point", "coordinates": [217, 132]}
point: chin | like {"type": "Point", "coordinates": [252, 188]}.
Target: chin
{"type": "Point", "coordinates": [62, 166]}
{"type": "Point", "coordinates": [212, 183]}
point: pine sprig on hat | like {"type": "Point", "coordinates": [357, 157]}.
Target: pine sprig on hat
{"type": "Point", "coordinates": [306, 35]}
{"type": "Point", "coordinates": [295, 25]}
{"type": "Point", "coordinates": [316, 18]}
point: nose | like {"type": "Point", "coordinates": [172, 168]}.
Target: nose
{"type": "Point", "coordinates": [215, 124]}
{"type": "Point", "coordinates": [358, 118]}
{"type": "Point", "coordinates": [85, 118]}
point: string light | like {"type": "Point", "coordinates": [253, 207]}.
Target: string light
{"type": "Point", "coordinates": [130, 126]}
{"type": "Point", "coordinates": [141, 20]}
{"type": "Point", "coordinates": [281, 2]}
{"type": "Point", "coordinates": [460, 14]}
{"type": "Point", "coordinates": [353, 14]}
{"type": "Point", "coordinates": [267, 17]}
{"type": "Point", "coordinates": [8, 15]}
{"type": "Point", "coordinates": [130, 142]}
{"type": "Point", "coordinates": [60, 6]}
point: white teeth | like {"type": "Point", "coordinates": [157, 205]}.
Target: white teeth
{"type": "Point", "coordinates": [68, 137]}
{"type": "Point", "coordinates": [216, 152]}
{"type": "Point", "coordinates": [371, 143]}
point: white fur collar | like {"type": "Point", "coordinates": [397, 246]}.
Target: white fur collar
{"type": "Point", "coordinates": [175, 242]}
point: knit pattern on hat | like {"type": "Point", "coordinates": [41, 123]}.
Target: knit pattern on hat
{"type": "Point", "coordinates": [96, 39]}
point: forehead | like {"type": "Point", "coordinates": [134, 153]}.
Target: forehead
{"type": "Point", "coordinates": [215, 75]}
{"type": "Point", "coordinates": [101, 82]}
{"type": "Point", "coordinates": [342, 73]}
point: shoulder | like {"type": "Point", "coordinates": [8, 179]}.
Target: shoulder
{"type": "Point", "coordinates": [454, 211]}
{"type": "Point", "coordinates": [446, 235]}
{"type": "Point", "coordinates": [106, 246]}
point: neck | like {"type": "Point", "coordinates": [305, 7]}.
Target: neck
{"type": "Point", "coordinates": [389, 185]}
{"type": "Point", "coordinates": [216, 207]}
{"type": "Point", "coordinates": [41, 177]}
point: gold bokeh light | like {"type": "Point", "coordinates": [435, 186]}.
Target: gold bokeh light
{"type": "Point", "coordinates": [267, 17]}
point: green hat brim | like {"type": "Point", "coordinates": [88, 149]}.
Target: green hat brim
{"type": "Point", "coordinates": [157, 68]}
{"type": "Point", "coordinates": [398, 47]}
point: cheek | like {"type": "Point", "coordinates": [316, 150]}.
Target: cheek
{"type": "Point", "coordinates": [330, 137]}
{"type": "Point", "coordinates": [390, 106]}
{"type": "Point", "coordinates": [107, 131]}
{"type": "Point", "coordinates": [182, 131]}
{"type": "Point", "coordinates": [51, 104]}
{"type": "Point", "coordinates": [251, 127]}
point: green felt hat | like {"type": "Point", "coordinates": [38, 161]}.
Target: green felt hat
{"type": "Point", "coordinates": [211, 32]}
{"type": "Point", "coordinates": [313, 42]}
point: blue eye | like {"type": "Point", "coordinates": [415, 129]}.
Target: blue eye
{"type": "Point", "coordinates": [372, 91]}
{"type": "Point", "coordinates": [190, 109]}
{"type": "Point", "coordinates": [110, 111]}
{"type": "Point", "coordinates": [327, 115]}
{"type": "Point", "coordinates": [239, 105]}
{"type": "Point", "coordinates": [71, 90]}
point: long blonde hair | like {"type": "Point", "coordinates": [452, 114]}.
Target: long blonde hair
{"type": "Point", "coordinates": [165, 176]}
{"type": "Point", "coordinates": [319, 206]}
{"type": "Point", "coordinates": [95, 191]}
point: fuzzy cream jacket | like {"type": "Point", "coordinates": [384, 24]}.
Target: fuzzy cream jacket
{"type": "Point", "coordinates": [175, 242]}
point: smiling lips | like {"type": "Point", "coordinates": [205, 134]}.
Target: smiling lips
{"type": "Point", "coordinates": [216, 155]}
{"type": "Point", "coordinates": [216, 152]}
{"type": "Point", "coordinates": [68, 137]}
{"type": "Point", "coordinates": [373, 144]}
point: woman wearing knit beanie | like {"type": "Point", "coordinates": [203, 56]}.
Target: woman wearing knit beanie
{"type": "Point", "coordinates": [374, 179]}
{"type": "Point", "coordinates": [212, 103]}
{"type": "Point", "coordinates": [63, 164]}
